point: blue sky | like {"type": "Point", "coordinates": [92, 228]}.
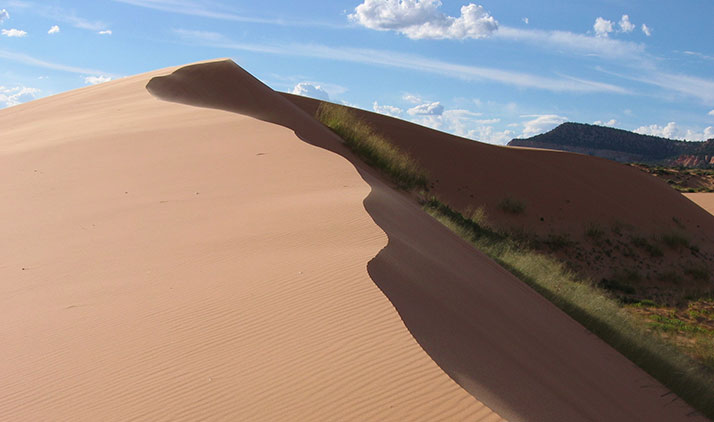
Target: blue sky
{"type": "Point", "coordinates": [490, 71]}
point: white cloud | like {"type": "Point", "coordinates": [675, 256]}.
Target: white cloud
{"type": "Point", "coordinates": [525, 20]}
{"type": "Point", "coordinates": [55, 29]}
{"type": "Point", "coordinates": [396, 59]}
{"type": "Point", "coordinates": [467, 124]}
{"type": "Point", "coordinates": [209, 9]}
{"type": "Point", "coordinates": [427, 109]}
{"type": "Point", "coordinates": [541, 123]}
{"type": "Point", "coordinates": [16, 95]}
{"type": "Point", "coordinates": [13, 33]}
{"type": "Point", "coordinates": [711, 113]}
{"type": "Point", "coordinates": [414, 99]}
{"type": "Point", "coordinates": [387, 110]}
{"type": "Point", "coordinates": [646, 29]}
{"type": "Point", "coordinates": [33, 61]}
{"type": "Point", "coordinates": [200, 35]}
{"type": "Point", "coordinates": [309, 89]}
{"type": "Point", "coordinates": [697, 54]}
{"type": "Point", "coordinates": [93, 80]}
{"type": "Point", "coordinates": [672, 131]}
{"type": "Point", "coordinates": [421, 19]}
{"type": "Point", "coordinates": [603, 27]}
{"type": "Point", "coordinates": [578, 43]}
{"type": "Point", "coordinates": [105, 32]}
{"type": "Point", "coordinates": [625, 24]}
{"type": "Point", "coordinates": [611, 122]}
{"type": "Point", "coordinates": [4, 15]}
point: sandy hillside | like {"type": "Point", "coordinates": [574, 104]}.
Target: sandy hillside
{"type": "Point", "coordinates": [168, 262]}
{"type": "Point", "coordinates": [562, 191]}
{"type": "Point", "coordinates": [704, 200]}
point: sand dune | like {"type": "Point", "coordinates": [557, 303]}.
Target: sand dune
{"type": "Point", "coordinates": [704, 200]}
{"type": "Point", "coordinates": [170, 262]}
{"type": "Point", "coordinates": [566, 190]}
{"type": "Point", "coordinates": [167, 262]}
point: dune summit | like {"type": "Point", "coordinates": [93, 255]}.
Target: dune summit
{"type": "Point", "coordinates": [188, 244]}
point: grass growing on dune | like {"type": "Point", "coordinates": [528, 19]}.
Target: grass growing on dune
{"type": "Point", "coordinates": [372, 147]}
{"type": "Point", "coordinates": [588, 305]}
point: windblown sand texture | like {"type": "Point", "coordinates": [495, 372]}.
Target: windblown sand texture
{"type": "Point", "coordinates": [166, 261]}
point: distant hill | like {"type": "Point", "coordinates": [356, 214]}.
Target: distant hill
{"type": "Point", "coordinates": [621, 145]}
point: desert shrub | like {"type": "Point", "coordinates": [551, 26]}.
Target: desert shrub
{"type": "Point", "coordinates": [594, 231]}
{"type": "Point", "coordinates": [675, 240]}
{"type": "Point", "coordinates": [512, 205]}
{"type": "Point", "coordinates": [372, 147]}
{"type": "Point", "coordinates": [593, 308]}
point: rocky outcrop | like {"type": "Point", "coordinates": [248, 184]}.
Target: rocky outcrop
{"type": "Point", "coordinates": [621, 145]}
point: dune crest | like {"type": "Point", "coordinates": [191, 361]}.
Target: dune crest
{"type": "Point", "coordinates": [169, 262]}
{"type": "Point", "coordinates": [491, 333]}
{"type": "Point", "coordinates": [185, 262]}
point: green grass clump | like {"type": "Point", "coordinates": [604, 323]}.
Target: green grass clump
{"type": "Point", "coordinates": [590, 306]}
{"type": "Point", "coordinates": [372, 147]}
{"type": "Point", "coordinates": [594, 231]}
{"type": "Point", "coordinates": [675, 240]}
{"type": "Point", "coordinates": [642, 243]}
{"type": "Point", "coordinates": [512, 206]}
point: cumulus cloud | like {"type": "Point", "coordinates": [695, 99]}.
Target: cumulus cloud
{"type": "Point", "coordinates": [625, 24]}
{"type": "Point", "coordinates": [309, 89]}
{"type": "Point", "coordinates": [525, 20]}
{"type": "Point", "coordinates": [467, 124]}
{"type": "Point", "coordinates": [13, 33]}
{"type": "Point", "coordinates": [540, 123]}
{"type": "Point", "coordinates": [421, 19]}
{"type": "Point", "coordinates": [672, 131]}
{"type": "Point", "coordinates": [603, 27]}
{"type": "Point", "coordinates": [646, 29]}
{"type": "Point", "coordinates": [414, 99]}
{"type": "Point", "coordinates": [387, 110]}
{"type": "Point", "coordinates": [105, 32]}
{"type": "Point", "coordinates": [427, 109]}
{"type": "Point", "coordinates": [611, 122]}
{"type": "Point", "coordinates": [711, 113]}
{"type": "Point", "coordinates": [93, 80]}
{"type": "Point", "coordinates": [4, 15]}
{"type": "Point", "coordinates": [16, 95]}
{"type": "Point", "coordinates": [55, 29]}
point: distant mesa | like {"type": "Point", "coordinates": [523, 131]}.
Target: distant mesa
{"type": "Point", "coordinates": [621, 145]}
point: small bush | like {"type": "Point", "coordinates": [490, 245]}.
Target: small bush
{"type": "Point", "coordinates": [643, 243]}
{"type": "Point", "coordinates": [373, 148]}
{"type": "Point", "coordinates": [675, 240]}
{"type": "Point", "coordinates": [699, 273]}
{"type": "Point", "coordinates": [478, 216]}
{"type": "Point", "coordinates": [594, 231]}
{"type": "Point", "coordinates": [512, 206]}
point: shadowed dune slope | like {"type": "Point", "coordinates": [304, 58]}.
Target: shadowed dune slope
{"type": "Point", "coordinates": [567, 190]}
{"type": "Point", "coordinates": [491, 333]}
{"type": "Point", "coordinates": [168, 262]}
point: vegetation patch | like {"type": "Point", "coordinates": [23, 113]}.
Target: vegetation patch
{"type": "Point", "coordinates": [372, 147]}
{"type": "Point", "coordinates": [649, 334]}
{"type": "Point", "coordinates": [642, 243]}
{"type": "Point", "coordinates": [512, 206]}
{"type": "Point", "coordinates": [687, 180]}
{"type": "Point", "coordinates": [593, 308]}
{"type": "Point", "coordinates": [675, 240]}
